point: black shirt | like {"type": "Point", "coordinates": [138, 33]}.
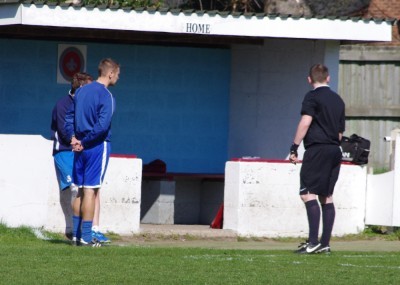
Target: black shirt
{"type": "Point", "coordinates": [327, 110]}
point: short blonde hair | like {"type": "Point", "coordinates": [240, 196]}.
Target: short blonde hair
{"type": "Point", "coordinates": [106, 65]}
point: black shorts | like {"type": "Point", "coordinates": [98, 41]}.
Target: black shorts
{"type": "Point", "coordinates": [320, 169]}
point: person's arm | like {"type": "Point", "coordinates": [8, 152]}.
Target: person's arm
{"type": "Point", "coordinates": [69, 124]}
{"type": "Point", "coordinates": [53, 125]}
{"type": "Point", "coordinates": [301, 132]}
{"type": "Point", "coordinates": [103, 124]}
{"type": "Point", "coordinates": [302, 128]}
{"type": "Point", "coordinates": [60, 122]}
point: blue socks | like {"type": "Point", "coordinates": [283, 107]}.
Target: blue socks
{"type": "Point", "coordinates": [76, 227]}
{"type": "Point", "coordinates": [82, 229]}
{"type": "Point", "coordinates": [87, 231]}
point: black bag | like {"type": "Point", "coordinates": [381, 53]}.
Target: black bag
{"type": "Point", "coordinates": [355, 149]}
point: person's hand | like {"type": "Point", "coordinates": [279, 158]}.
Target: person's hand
{"type": "Point", "coordinates": [76, 144]}
{"type": "Point", "coordinates": [293, 158]}
{"type": "Point", "coordinates": [74, 141]}
{"type": "Point", "coordinates": [77, 147]}
{"type": "Point", "coordinates": [293, 153]}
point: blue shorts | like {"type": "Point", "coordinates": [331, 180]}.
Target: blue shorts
{"type": "Point", "coordinates": [90, 166]}
{"type": "Point", "coordinates": [63, 162]}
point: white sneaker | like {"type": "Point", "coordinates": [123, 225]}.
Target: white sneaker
{"type": "Point", "coordinates": [92, 243]}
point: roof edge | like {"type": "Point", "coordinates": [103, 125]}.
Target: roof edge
{"type": "Point", "coordinates": [193, 22]}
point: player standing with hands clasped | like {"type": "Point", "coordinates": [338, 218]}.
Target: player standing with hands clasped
{"type": "Point", "coordinates": [321, 127]}
{"type": "Point", "coordinates": [88, 125]}
{"type": "Point", "coordinates": [63, 156]}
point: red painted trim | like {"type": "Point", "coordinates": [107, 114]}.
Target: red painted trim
{"type": "Point", "coordinates": [273, 160]}
{"type": "Point", "coordinates": [123, 155]}
{"type": "Point", "coordinates": [261, 160]}
{"type": "Point", "coordinates": [348, 162]}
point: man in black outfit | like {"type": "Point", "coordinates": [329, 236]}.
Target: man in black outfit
{"type": "Point", "coordinates": [321, 127]}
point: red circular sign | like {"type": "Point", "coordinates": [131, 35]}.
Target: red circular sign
{"type": "Point", "coordinates": [71, 61]}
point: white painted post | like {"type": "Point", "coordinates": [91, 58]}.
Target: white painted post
{"type": "Point", "coordinates": [396, 188]}
{"type": "Point", "coordinates": [393, 140]}
{"type": "Point", "coordinates": [383, 193]}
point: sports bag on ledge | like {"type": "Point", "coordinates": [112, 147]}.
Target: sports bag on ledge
{"type": "Point", "coordinates": [355, 149]}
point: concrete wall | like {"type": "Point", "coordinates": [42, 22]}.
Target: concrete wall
{"type": "Point", "coordinates": [268, 84]}
{"type": "Point", "coordinates": [211, 199]}
{"type": "Point", "coordinates": [171, 102]}
{"type": "Point", "coordinates": [177, 104]}
{"type": "Point", "coordinates": [197, 200]}
{"type": "Point", "coordinates": [30, 194]}
{"type": "Point", "coordinates": [181, 200]}
{"type": "Point", "coordinates": [192, 107]}
{"type": "Point", "coordinates": [261, 199]}
{"type": "Point", "coordinates": [158, 199]}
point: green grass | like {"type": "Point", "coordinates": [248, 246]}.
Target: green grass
{"type": "Point", "coordinates": [24, 259]}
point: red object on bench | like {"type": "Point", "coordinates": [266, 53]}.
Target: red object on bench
{"type": "Point", "coordinates": [219, 218]}
{"type": "Point", "coordinates": [155, 166]}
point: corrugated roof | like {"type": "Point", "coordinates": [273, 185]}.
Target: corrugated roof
{"type": "Point", "coordinates": [132, 6]}
{"type": "Point", "coordinates": [207, 23]}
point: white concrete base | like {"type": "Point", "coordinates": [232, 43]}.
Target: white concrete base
{"type": "Point", "coordinates": [261, 199]}
{"type": "Point", "coordinates": [121, 196]}
{"type": "Point", "coordinates": [30, 195]}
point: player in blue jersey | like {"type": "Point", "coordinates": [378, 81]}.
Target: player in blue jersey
{"type": "Point", "coordinates": [321, 128]}
{"type": "Point", "coordinates": [62, 150]}
{"type": "Point", "coordinates": [88, 125]}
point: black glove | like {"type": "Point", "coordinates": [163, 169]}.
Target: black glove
{"type": "Point", "coordinates": [293, 149]}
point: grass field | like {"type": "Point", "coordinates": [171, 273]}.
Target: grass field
{"type": "Point", "coordinates": [25, 259]}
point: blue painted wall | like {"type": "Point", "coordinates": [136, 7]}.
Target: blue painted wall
{"type": "Point", "coordinates": [172, 102]}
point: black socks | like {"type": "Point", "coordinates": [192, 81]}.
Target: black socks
{"type": "Point", "coordinates": [328, 218]}
{"type": "Point", "coordinates": [313, 215]}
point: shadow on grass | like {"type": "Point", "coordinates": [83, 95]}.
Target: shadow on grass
{"type": "Point", "coordinates": [59, 241]}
